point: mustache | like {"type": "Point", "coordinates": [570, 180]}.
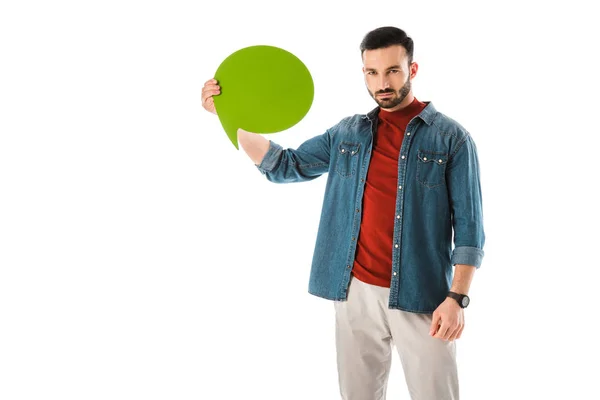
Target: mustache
{"type": "Point", "coordinates": [385, 91]}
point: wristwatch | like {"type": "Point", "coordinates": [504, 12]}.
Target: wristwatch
{"type": "Point", "coordinates": [462, 299]}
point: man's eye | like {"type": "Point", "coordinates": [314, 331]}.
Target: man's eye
{"type": "Point", "coordinates": [395, 71]}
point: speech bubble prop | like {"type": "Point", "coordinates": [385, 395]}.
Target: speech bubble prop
{"type": "Point", "coordinates": [264, 89]}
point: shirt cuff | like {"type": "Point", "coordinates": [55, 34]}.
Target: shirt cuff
{"type": "Point", "coordinates": [467, 255]}
{"type": "Point", "coordinates": [271, 158]}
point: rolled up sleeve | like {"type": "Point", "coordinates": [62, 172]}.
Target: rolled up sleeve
{"type": "Point", "coordinates": [307, 162]}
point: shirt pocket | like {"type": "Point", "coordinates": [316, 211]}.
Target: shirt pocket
{"type": "Point", "coordinates": [347, 159]}
{"type": "Point", "coordinates": [431, 168]}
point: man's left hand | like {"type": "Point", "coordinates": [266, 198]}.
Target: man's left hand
{"type": "Point", "coordinates": [448, 321]}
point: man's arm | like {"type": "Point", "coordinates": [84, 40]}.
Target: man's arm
{"type": "Point", "coordinates": [254, 145]}
{"type": "Point", "coordinates": [279, 165]}
{"type": "Point", "coordinates": [448, 320]}
{"type": "Point", "coordinates": [307, 162]}
{"type": "Point", "coordinates": [463, 275]}
{"type": "Point", "coordinates": [464, 191]}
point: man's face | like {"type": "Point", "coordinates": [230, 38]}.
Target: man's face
{"type": "Point", "coordinates": [388, 76]}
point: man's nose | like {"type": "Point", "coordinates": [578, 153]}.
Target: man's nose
{"type": "Point", "coordinates": [384, 83]}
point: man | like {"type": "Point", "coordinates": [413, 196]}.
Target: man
{"type": "Point", "coordinates": [402, 180]}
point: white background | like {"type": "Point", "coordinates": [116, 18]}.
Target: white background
{"type": "Point", "coordinates": [143, 257]}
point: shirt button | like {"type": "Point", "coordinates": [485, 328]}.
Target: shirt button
{"type": "Point", "coordinates": [397, 216]}
{"type": "Point", "coordinates": [396, 245]}
{"type": "Point", "coordinates": [353, 239]}
{"type": "Point", "coordinates": [402, 157]}
{"type": "Point", "coordinates": [343, 150]}
{"type": "Point", "coordinates": [357, 210]}
{"type": "Point", "coordinates": [440, 161]}
{"type": "Point", "coordinates": [394, 274]}
{"type": "Point", "coordinates": [348, 266]}
{"type": "Point", "coordinates": [407, 133]}
{"type": "Point", "coordinates": [399, 187]}
{"type": "Point", "coordinates": [424, 158]}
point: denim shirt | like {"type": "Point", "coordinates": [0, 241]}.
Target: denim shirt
{"type": "Point", "coordinates": [438, 204]}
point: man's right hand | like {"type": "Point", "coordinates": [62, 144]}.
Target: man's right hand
{"type": "Point", "coordinates": [210, 89]}
{"type": "Point", "coordinates": [253, 144]}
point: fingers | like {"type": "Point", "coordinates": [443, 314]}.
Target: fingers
{"type": "Point", "coordinates": [210, 91]}
{"type": "Point", "coordinates": [452, 336]}
{"type": "Point", "coordinates": [457, 333]}
{"type": "Point", "coordinates": [210, 84]}
{"type": "Point", "coordinates": [459, 328]}
{"type": "Point", "coordinates": [434, 324]}
{"type": "Point", "coordinates": [211, 88]}
{"type": "Point", "coordinates": [443, 331]}
{"type": "Point", "coordinates": [448, 330]}
{"type": "Point", "coordinates": [460, 331]}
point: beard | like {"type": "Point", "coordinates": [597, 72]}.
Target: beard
{"type": "Point", "coordinates": [393, 100]}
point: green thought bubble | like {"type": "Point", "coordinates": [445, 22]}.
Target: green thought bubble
{"type": "Point", "coordinates": [264, 89]}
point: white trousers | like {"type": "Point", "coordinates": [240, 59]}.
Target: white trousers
{"type": "Point", "coordinates": [366, 331]}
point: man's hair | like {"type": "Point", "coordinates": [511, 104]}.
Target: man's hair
{"type": "Point", "coordinates": [387, 36]}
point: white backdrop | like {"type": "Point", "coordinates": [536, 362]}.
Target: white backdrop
{"type": "Point", "coordinates": [143, 257]}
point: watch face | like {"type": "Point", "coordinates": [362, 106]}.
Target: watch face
{"type": "Point", "coordinates": [465, 301]}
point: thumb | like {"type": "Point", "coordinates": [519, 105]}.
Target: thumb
{"type": "Point", "coordinates": [434, 324]}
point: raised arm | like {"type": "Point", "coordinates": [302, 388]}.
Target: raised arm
{"type": "Point", "coordinates": [256, 146]}
{"type": "Point", "coordinates": [309, 161]}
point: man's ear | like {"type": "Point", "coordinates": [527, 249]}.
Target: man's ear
{"type": "Point", "coordinates": [414, 67]}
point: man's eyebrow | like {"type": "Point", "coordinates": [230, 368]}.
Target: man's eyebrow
{"type": "Point", "coordinates": [392, 67]}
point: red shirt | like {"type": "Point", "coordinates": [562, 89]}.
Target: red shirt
{"type": "Point", "coordinates": [373, 261]}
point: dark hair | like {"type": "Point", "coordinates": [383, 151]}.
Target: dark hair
{"type": "Point", "coordinates": [387, 36]}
